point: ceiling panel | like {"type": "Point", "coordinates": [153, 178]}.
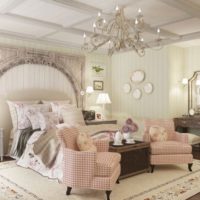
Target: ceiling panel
{"type": "Point", "coordinates": [24, 28]}
{"type": "Point", "coordinates": [184, 27]}
{"type": "Point", "coordinates": [107, 5]}
{"type": "Point", "coordinates": [46, 11]}
{"type": "Point", "coordinates": [67, 37]}
{"type": "Point", "coordinates": [155, 12]}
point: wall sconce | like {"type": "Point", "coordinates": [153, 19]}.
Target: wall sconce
{"type": "Point", "coordinates": [89, 90]}
{"type": "Point", "coordinates": [184, 81]}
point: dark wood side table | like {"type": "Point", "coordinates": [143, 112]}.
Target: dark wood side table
{"type": "Point", "coordinates": [134, 158]}
{"type": "Point", "coordinates": [182, 124]}
{"type": "Point", "coordinates": [96, 122]}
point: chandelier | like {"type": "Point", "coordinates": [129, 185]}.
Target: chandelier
{"type": "Point", "coordinates": [120, 33]}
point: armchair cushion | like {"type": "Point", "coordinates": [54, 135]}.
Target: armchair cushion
{"type": "Point", "coordinates": [106, 163]}
{"type": "Point", "coordinates": [85, 143]}
{"type": "Point", "coordinates": [170, 147]}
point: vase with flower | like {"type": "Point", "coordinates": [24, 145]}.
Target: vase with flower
{"type": "Point", "coordinates": [128, 129]}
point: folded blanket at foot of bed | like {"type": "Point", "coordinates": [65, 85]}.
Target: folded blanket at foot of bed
{"type": "Point", "coordinates": [47, 147]}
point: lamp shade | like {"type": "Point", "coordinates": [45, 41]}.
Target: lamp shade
{"type": "Point", "coordinates": [103, 98]}
{"type": "Point", "coordinates": [89, 90]}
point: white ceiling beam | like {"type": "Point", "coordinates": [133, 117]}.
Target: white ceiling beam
{"type": "Point", "coordinates": [163, 32]}
{"type": "Point", "coordinates": [54, 26]}
{"type": "Point", "coordinates": [172, 22]}
{"type": "Point", "coordinates": [75, 5]}
{"type": "Point", "coordinates": [22, 37]}
{"type": "Point", "coordinates": [11, 6]}
{"type": "Point", "coordinates": [187, 6]}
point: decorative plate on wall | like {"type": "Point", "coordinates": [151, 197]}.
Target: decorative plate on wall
{"type": "Point", "coordinates": [148, 88]}
{"type": "Point", "coordinates": [137, 94]}
{"type": "Point", "coordinates": [126, 88]}
{"type": "Point", "coordinates": [138, 76]}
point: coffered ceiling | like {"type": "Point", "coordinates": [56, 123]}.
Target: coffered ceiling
{"type": "Point", "coordinates": [63, 22]}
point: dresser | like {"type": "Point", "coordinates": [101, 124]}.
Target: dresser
{"type": "Point", "coordinates": [1, 144]}
{"type": "Point", "coordinates": [183, 124]}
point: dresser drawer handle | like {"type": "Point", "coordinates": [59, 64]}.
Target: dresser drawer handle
{"type": "Point", "coordinates": [184, 122]}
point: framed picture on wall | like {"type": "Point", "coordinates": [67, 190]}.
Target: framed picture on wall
{"type": "Point", "coordinates": [98, 85]}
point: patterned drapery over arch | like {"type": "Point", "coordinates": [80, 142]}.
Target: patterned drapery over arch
{"type": "Point", "coordinates": [72, 66]}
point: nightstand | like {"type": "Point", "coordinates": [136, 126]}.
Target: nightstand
{"type": "Point", "coordinates": [97, 122]}
{"type": "Point", "coordinates": [1, 144]}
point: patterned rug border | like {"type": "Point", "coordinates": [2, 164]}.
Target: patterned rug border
{"type": "Point", "coordinates": [15, 184]}
{"type": "Point", "coordinates": [128, 198]}
{"type": "Point", "coordinates": [164, 184]}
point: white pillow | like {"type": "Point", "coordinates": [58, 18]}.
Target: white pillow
{"type": "Point", "coordinates": [13, 111]}
{"type": "Point", "coordinates": [193, 139]}
{"type": "Point", "coordinates": [48, 120]}
{"type": "Point", "coordinates": [72, 116]}
{"type": "Point", "coordinates": [55, 103]}
{"type": "Point", "coordinates": [22, 110]}
{"type": "Point", "coordinates": [58, 106]}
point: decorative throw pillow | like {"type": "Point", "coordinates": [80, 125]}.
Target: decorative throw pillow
{"type": "Point", "coordinates": [55, 103]}
{"type": "Point", "coordinates": [85, 143]}
{"type": "Point", "coordinates": [13, 111]}
{"type": "Point", "coordinates": [57, 106]}
{"type": "Point", "coordinates": [72, 116]}
{"type": "Point", "coordinates": [22, 110]}
{"type": "Point", "coordinates": [157, 133]}
{"type": "Point", "coordinates": [33, 118]}
{"type": "Point", "coordinates": [48, 120]}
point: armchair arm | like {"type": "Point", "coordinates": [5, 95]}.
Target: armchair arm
{"type": "Point", "coordinates": [78, 168]}
{"type": "Point", "coordinates": [102, 145]}
{"type": "Point", "coordinates": [146, 137]}
{"type": "Point", "coordinates": [181, 137]}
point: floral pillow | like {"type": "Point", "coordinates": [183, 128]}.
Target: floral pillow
{"type": "Point", "coordinates": [13, 111]}
{"type": "Point", "coordinates": [158, 134]}
{"type": "Point", "coordinates": [48, 120]}
{"type": "Point", "coordinates": [23, 111]}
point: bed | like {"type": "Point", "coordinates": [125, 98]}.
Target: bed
{"type": "Point", "coordinates": [39, 77]}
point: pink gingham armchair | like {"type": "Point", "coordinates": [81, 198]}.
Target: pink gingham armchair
{"type": "Point", "coordinates": [92, 170]}
{"type": "Point", "coordinates": [175, 150]}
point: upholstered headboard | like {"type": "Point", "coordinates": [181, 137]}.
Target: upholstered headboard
{"type": "Point", "coordinates": [29, 74]}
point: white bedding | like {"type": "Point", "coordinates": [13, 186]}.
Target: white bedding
{"type": "Point", "coordinates": [32, 161]}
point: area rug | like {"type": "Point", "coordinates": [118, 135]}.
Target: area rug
{"type": "Point", "coordinates": [168, 182]}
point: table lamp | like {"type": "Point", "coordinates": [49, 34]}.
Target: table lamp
{"type": "Point", "coordinates": [103, 98]}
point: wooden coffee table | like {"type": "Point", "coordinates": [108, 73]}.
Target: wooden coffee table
{"type": "Point", "coordinates": [134, 158]}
